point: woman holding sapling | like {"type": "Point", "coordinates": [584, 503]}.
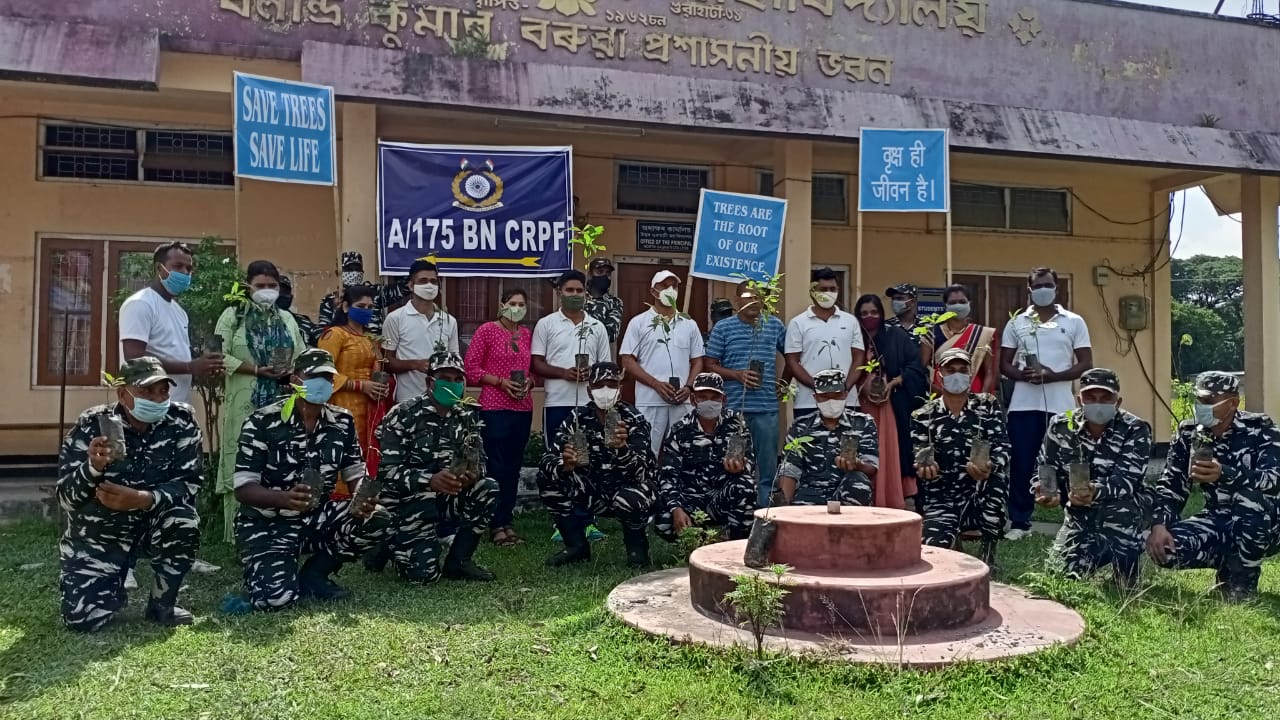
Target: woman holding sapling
{"type": "Point", "coordinates": [498, 360]}
{"type": "Point", "coordinates": [894, 376]}
{"type": "Point", "coordinates": [959, 331]}
{"type": "Point", "coordinates": [361, 382]}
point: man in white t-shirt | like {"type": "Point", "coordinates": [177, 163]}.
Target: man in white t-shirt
{"type": "Point", "coordinates": [662, 349]}
{"type": "Point", "coordinates": [153, 323]}
{"type": "Point", "coordinates": [415, 332]}
{"type": "Point", "coordinates": [558, 339]}
{"type": "Point", "coordinates": [824, 337]}
{"type": "Point", "coordinates": [1045, 349]}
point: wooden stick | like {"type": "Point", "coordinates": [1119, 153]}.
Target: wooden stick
{"type": "Point", "coordinates": [239, 246]}
{"type": "Point", "coordinates": [857, 270]}
{"type": "Point", "coordinates": [948, 247]}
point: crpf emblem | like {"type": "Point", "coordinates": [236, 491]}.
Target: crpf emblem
{"type": "Point", "coordinates": [477, 189]}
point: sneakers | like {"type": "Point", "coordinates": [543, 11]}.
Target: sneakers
{"type": "Point", "coordinates": [593, 535]}
{"type": "Point", "coordinates": [168, 615]}
{"type": "Point", "coordinates": [204, 568]}
{"type": "Point", "coordinates": [130, 582]}
{"type": "Point", "coordinates": [1016, 534]}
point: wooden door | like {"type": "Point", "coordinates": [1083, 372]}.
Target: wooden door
{"type": "Point", "coordinates": [631, 283]}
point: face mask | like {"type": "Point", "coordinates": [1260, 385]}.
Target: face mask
{"type": "Point", "coordinates": [352, 277]}
{"type": "Point", "coordinates": [606, 397]}
{"type": "Point", "coordinates": [266, 297]}
{"type": "Point", "coordinates": [148, 411]}
{"type": "Point", "coordinates": [956, 383]}
{"type": "Point", "coordinates": [317, 390]}
{"type": "Point", "coordinates": [825, 300]}
{"type": "Point", "coordinates": [514, 313]}
{"type": "Point", "coordinates": [667, 297]}
{"type": "Point", "coordinates": [176, 282]}
{"type": "Point", "coordinates": [573, 303]}
{"type": "Point", "coordinates": [360, 315]}
{"type": "Point", "coordinates": [831, 409]}
{"type": "Point", "coordinates": [1205, 416]}
{"type": "Point", "coordinates": [870, 323]}
{"type": "Point", "coordinates": [1043, 297]}
{"type": "Point", "coordinates": [708, 409]}
{"type": "Point", "coordinates": [448, 393]}
{"type": "Point", "coordinates": [599, 285]}
{"type": "Point", "coordinates": [1099, 413]}
{"type": "Point", "coordinates": [284, 302]}
{"type": "Point", "coordinates": [427, 291]}
{"type": "Point", "coordinates": [899, 306]}
{"type": "Point", "coordinates": [960, 309]}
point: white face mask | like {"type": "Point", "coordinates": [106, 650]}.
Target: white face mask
{"type": "Point", "coordinates": [708, 409]}
{"type": "Point", "coordinates": [266, 297]}
{"type": "Point", "coordinates": [427, 291]}
{"type": "Point", "coordinates": [831, 409]}
{"type": "Point", "coordinates": [1043, 297]}
{"type": "Point", "coordinates": [825, 300]}
{"type": "Point", "coordinates": [667, 297]}
{"type": "Point", "coordinates": [606, 397]}
{"type": "Point", "coordinates": [956, 383]}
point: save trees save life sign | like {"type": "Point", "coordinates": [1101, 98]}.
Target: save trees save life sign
{"type": "Point", "coordinates": [738, 236]}
{"type": "Point", "coordinates": [284, 131]}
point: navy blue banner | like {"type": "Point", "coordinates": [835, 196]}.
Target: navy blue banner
{"type": "Point", "coordinates": [496, 211]}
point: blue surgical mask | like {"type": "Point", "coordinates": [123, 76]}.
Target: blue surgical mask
{"type": "Point", "coordinates": [1204, 414]}
{"type": "Point", "coordinates": [360, 316]}
{"type": "Point", "coordinates": [176, 282]}
{"type": "Point", "coordinates": [1043, 297]}
{"type": "Point", "coordinates": [148, 411]}
{"type": "Point", "coordinates": [317, 390]}
{"type": "Point", "coordinates": [1099, 413]}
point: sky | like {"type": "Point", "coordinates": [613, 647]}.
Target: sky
{"type": "Point", "coordinates": [1203, 232]}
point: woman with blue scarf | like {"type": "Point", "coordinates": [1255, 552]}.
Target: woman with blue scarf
{"type": "Point", "coordinates": [259, 343]}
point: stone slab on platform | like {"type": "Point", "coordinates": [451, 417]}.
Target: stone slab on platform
{"type": "Point", "coordinates": [811, 539]}
{"type": "Point", "coordinates": [659, 603]}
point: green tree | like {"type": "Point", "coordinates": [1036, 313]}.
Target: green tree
{"type": "Point", "coordinates": [1211, 348]}
{"type": "Point", "coordinates": [1208, 304]}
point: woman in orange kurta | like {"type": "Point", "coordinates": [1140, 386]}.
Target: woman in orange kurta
{"type": "Point", "coordinates": [356, 357]}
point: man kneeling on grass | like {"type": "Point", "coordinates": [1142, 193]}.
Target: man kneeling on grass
{"type": "Point", "coordinates": [832, 454]}
{"type": "Point", "coordinates": [126, 495]}
{"type": "Point", "coordinates": [963, 486]}
{"type": "Point", "coordinates": [699, 471]}
{"type": "Point", "coordinates": [1234, 456]}
{"type": "Point", "coordinates": [614, 477]}
{"type": "Point", "coordinates": [289, 455]}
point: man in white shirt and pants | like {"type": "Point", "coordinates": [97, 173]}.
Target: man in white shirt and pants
{"type": "Point", "coordinates": [662, 349]}
{"type": "Point", "coordinates": [415, 332]}
{"type": "Point", "coordinates": [824, 337]}
{"type": "Point", "coordinates": [1045, 349]}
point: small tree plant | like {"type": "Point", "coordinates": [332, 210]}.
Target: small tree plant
{"type": "Point", "coordinates": [756, 601]}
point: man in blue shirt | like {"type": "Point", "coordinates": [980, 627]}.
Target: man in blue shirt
{"type": "Point", "coordinates": [744, 351]}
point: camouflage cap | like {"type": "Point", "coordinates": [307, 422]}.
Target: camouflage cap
{"type": "Point", "coordinates": [143, 371]}
{"type": "Point", "coordinates": [314, 361]}
{"type": "Point", "coordinates": [603, 371]}
{"type": "Point", "coordinates": [708, 381]}
{"type": "Point", "coordinates": [900, 289]}
{"type": "Point", "coordinates": [829, 381]}
{"type": "Point", "coordinates": [1216, 382]}
{"type": "Point", "coordinates": [721, 305]}
{"type": "Point", "coordinates": [953, 354]}
{"type": "Point", "coordinates": [1100, 378]}
{"type": "Point", "coordinates": [445, 360]}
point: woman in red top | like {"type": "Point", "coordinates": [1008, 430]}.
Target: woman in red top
{"type": "Point", "coordinates": [498, 361]}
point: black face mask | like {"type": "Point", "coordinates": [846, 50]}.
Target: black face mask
{"type": "Point", "coordinates": [599, 285]}
{"type": "Point", "coordinates": [284, 302]}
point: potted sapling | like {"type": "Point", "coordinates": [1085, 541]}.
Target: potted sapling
{"type": "Point", "coordinates": [1201, 447]}
{"type": "Point", "coordinates": [1031, 342]}
{"type": "Point", "coordinates": [111, 427]}
{"type": "Point", "coordinates": [582, 359]}
{"type": "Point", "coordinates": [877, 387]}
{"type": "Point", "coordinates": [1078, 469]}
{"type": "Point", "coordinates": [763, 530]}
{"type": "Point", "coordinates": [466, 454]}
{"type": "Point", "coordinates": [665, 324]}
{"type": "Point", "coordinates": [585, 238]}
{"type": "Point", "coordinates": [926, 455]}
{"type": "Point", "coordinates": [979, 449]}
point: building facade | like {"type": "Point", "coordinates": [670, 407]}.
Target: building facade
{"type": "Point", "coordinates": [1071, 123]}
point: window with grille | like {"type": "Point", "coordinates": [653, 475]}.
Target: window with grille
{"type": "Point", "coordinates": [830, 196]}
{"type": "Point", "coordinates": [670, 189]}
{"type": "Point", "coordinates": [474, 301]}
{"type": "Point", "coordinates": [1011, 208]}
{"type": "Point", "coordinates": [92, 152]}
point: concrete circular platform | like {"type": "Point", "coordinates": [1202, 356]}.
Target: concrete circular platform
{"type": "Point", "coordinates": [1017, 624]}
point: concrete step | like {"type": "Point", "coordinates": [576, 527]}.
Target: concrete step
{"type": "Point", "coordinates": [26, 497]}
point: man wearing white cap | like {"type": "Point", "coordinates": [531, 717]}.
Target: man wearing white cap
{"type": "Point", "coordinates": [662, 349]}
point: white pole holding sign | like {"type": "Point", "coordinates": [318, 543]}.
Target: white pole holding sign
{"type": "Point", "coordinates": [904, 171]}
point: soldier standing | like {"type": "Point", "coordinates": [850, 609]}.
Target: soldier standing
{"type": "Point", "coordinates": [1235, 458]}
{"type": "Point", "coordinates": [602, 304]}
{"type": "Point", "coordinates": [1104, 521]}
{"type": "Point", "coordinates": [616, 479]}
{"type": "Point", "coordinates": [832, 454]}
{"type": "Point", "coordinates": [961, 489]}
{"type": "Point", "coordinates": [290, 454]}
{"type": "Point", "coordinates": [698, 472]}
{"type": "Point", "coordinates": [433, 471]}
{"type": "Point", "coordinates": [121, 505]}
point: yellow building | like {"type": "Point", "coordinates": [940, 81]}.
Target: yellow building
{"type": "Point", "coordinates": [1064, 153]}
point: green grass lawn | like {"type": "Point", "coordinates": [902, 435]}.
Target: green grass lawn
{"type": "Point", "coordinates": [539, 644]}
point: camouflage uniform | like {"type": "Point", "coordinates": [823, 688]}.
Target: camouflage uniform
{"type": "Point", "coordinates": [813, 463]}
{"type": "Point", "coordinates": [954, 501]}
{"type": "Point", "coordinates": [417, 442]}
{"type": "Point", "coordinates": [275, 452]}
{"type": "Point", "coordinates": [608, 310]}
{"type": "Point", "coordinates": [692, 477]}
{"type": "Point", "coordinates": [309, 331]}
{"type": "Point", "coordinates": [1240, 522]}
{"type": "Point", "coordinates": [612, 481]}
{"type": "Point", "coordinates": [99, 545]}
{"type": "Point", "coordinates": [1109, 529]}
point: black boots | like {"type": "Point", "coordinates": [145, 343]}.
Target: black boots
{"type": "Point", "coordinates": [576, 549]}
{"type": "Point", "coordinates": [636, 541]}
{"type": "Point", "coordinates": [314, 580]}
{"type": "Point", "coordinates": [458, 564]}
{"type": "Point", "coordinates": [989, 553]}
{"type": "Point", "coordinates": [376, 559]}
{"type": "Point", "coordinates": [167, 615]}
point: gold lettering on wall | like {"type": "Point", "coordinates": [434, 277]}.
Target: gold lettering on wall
{"type": "Point", "coordinates": [758, 54]}
{"type": "Point", "coordinates": [617, 16]}
{"type": "Point", "coordinates": [607, 43]}
{"type": "Point", "coordinates": [694, 9]}
{"type": "Point", "coordinates": [391, 15]}
{"type": "Point", "coordinates": [498, 5]}
{"type": "Point", "coordinates": [296, 11]}
{"type": "Point", "coordinates": [968, 16]}
{"type": "Point", "coordinates": [856, 68]}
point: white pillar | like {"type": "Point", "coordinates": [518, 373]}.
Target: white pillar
{"type": "Point", "coordinates": [1260, 245]}
{"type": "Point", "coordinates": [793, 180]}
{"type": "Point", "coordinates": [360, 182]}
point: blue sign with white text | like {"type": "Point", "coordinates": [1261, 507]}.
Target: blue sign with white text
{"type": "Point", "coordinates": [738, 236]}
{"type": "Point", "coordinates": [284, 131]}
{"type": "Point", "coordinates": [903, 171]}
{"type": "Point", "coordinates": [476, 211]}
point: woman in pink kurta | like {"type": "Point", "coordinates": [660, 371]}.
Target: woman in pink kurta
{"type": "Point", "coordinates": [498, 361]}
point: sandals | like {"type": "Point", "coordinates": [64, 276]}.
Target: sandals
{"type": "Point", "coordinates": [505, 537]}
